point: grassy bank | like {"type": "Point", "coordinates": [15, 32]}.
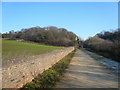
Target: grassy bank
{"type": "Point", "coordinates": [49, 77]}
{"type": "Point", "coordinates": [12, 49]}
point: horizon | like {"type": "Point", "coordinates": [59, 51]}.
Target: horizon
{"type": "Point", "coordinates": [85, 19]}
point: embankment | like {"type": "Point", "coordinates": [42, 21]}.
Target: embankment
{"type": "Point", "coordinates": [18, 75]}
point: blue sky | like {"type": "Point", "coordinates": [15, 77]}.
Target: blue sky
{"type": "Point", "coordinates": [83, 18]}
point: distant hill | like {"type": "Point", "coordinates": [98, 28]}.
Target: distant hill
{"type": "Point", "coordinates": [48, 35]}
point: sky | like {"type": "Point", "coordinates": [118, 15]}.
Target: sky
{"type": "Point", "coordinates": [85, 19]}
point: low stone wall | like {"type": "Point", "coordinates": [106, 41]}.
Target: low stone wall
{"type": "Point", "coordinates": [18, 75]}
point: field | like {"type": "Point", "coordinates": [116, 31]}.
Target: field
{"type": "Point", "coordinates": [14, 49]}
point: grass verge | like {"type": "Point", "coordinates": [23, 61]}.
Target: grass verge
{"type": "Point", "coordinates": [49, 77]}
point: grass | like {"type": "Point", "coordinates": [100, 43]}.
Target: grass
{"type": "Point", "coordinates": [49, 77]}
{"type": "Point", "coordinates": [12, 49]}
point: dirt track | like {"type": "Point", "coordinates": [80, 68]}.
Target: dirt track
{"type": "Point", "coordinates": [86, 72]}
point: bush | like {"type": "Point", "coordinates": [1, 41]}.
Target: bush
{"type": "Point", "coordinates": [104, 47]}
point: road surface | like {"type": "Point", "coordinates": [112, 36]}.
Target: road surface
{"type": "Point", "coordinates": [86, 72]}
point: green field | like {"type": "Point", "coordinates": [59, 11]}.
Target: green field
{"type": "Point", "coordinates": [13, 49]}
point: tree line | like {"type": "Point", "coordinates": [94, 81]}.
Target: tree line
{"type": "Point", "coordinates": [47, 35]}
{"type": "Point", "coordinates": [105, 43]}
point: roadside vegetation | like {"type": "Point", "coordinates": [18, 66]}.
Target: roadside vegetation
{"type": "Point", "coordinates": [12, 49]}
{"type": "Point", "coordinates": [49, 77]}
{"type": "Point", "coordinates": [106, 44]}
